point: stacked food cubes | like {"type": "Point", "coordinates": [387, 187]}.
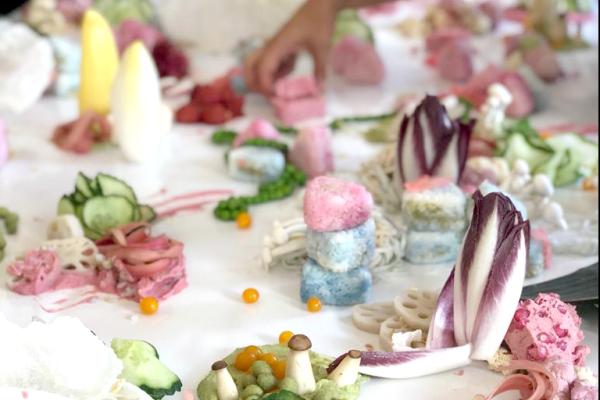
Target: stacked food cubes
{"type": "Point", "coordinates": [340, 242]}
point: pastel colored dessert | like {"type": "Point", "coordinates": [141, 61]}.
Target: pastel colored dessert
{"type": "Point", "coordinates": [255, 164]}
{"type": "Point", "coordinates": [68, 58]}
{"type": "Point", "coordinates": [131, 30]}
{"type": "Point", "coordinates": [297, 99]}
{"type": "Point", "coordinates": [564, 373]}
{"type": "Point", "coordinates": [335, 288]}
{"type": "Point", "coordinates": [534, 50]}
{"type": "Point", "coordinates": [3, 144]}
{"type": "Point", "coordinates": [312, 152]}
{"type": "Point", "coordinates": [432, 247]}
{"type": "Point", "coordinates": [455, 62]}
{"type": "Point", "coordinates": [546, 327]}
{"type": "Point", "coordinates": [487, 187]}
{"type": "Point", "coordinates": [332, 204]}
{"type": "Point", "coordinates": [584, 391]}
{"type": "Point", "coordinates": [278, 381]}
{"type": "Point", "coordinates": [433, 204]}
{"type": "Point", "coordinates": [341, 251]}
{"type": "Point", "coordinates": [357, 61]}
{"type": "Point", "coordinates": [258, 128]}
{"type": "Point", "coordinates": [535, 259]}
{"type": "Point", "coordinates": [439, 39]}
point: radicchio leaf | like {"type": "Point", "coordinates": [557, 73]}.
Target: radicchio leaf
{"type": "Point", "coordinates": [430, 143]}
{"type": "Point", "coordinates": [441, 328]}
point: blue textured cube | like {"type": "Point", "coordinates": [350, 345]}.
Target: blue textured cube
{"type": "Point", "coordinates": [335, 288]}
{"type": "Point", "coordinates": [535, 261]}
{"type": "Point", "coordinates": [432, 247]}
{"type": "Point", "coordinates": [255, 164]}
{"type": "Point", "coordinates": [341, 251]}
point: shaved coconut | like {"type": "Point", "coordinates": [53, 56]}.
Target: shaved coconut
{"type": "Point", "coordinates": [62, 357]}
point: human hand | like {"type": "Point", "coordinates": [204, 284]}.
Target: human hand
{"type": "Point", "coordinates": [309, 29]}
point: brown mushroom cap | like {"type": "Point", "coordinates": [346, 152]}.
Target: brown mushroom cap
{"type": "Point", "coordinates": [354, 354]}
{"type": "Point", "coordinates": [219, 365]}
{"type": "Point", "coordinates": [299, 343]}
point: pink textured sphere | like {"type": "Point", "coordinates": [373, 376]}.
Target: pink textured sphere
{"type": "Point", "coordinates": [546, 328]}
{"type": "Point", "coordinates": [332, 204]}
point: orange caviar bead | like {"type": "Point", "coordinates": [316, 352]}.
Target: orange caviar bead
{"type": "Point", "coordinates": [269, 358]}
{"type": "Point", "coordinates": [250, 295]}
{"type": "Point", "coordinates": [279, 369]}
{"type": "Point", "coordinates": [313, 304]}
{"type": "Point", "coordinates": [149, 305]}
{"type": "Point", "coordinates": [285, 336]}
{"type": "Point", "coordinates": [244, 361]}
{"type": "Point", "coordinates": [253, 350]}
{"type": "Point", "coordinates": [545, 134]}
{"type": "Point", "coordinates": [244, 220]}
{"type": "Point", "coordinates": [588, 185]}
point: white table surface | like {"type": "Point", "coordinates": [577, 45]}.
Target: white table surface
{"type": "Point", "coordinates": [208, 319]}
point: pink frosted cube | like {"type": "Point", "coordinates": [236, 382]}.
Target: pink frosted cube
{"type": "Point", "coordinates": [312, 152]}
{"type": "Point", "coordinates": [357, 61]}
{"type": "Point", "coordinates": [546, 327]}
{"type": "Point", "coordinates": [259, 128]}
{"type": "Point", "coordinates": [292, 111]}
{"type": "Point", "coordinates": [332, 204]}
{"type": "Point", "coordinates": [296, 87]}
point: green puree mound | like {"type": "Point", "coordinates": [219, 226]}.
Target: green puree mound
{"type": "Point", "coordinates": [252, 385]}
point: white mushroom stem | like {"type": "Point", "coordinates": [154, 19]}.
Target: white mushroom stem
{"type": "Point", "coordinates": [299, 367]}
{"type": "Point", "coordinates": [346, 372]}
{"type": "Point", "coordinates": [226, 388]}
{"type": "Point", "coordinates": [294, 247]}
{"type": "Point", "coordinates": [282, 234]}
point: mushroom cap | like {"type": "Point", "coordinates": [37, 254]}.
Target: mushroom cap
{"type": "Point", "coordinates": [355, 354]}
{"type": "Point", "coordinates": [299, 343]}
{"type": "Point", "coordinates": [219, 365]}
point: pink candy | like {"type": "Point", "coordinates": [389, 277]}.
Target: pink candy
{"type": "Point", "coordinates": [546, 328]}
{"type": "Point", "coordinates": [297, 99]}
{"type": "Point", "coordinates": [332, 204]}
{"type": "Point", "coordinates": [3, 144]}
{"type": "Point", "coordinates": [455, 62]}
{"type": "Point", "coordinates": [312, 152]}
{"type": "Point", "coordinates": [259, 128]}
{"type": "Point", "coordinates": [131, 30]}
{"type": "Point", "coordinates": [357, 61]}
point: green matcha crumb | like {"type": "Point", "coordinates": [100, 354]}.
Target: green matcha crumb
{"type": "Point", "coordinates": [244, 380]}
{"type": "Point", "coordinates": [252, 390]}
{"type": "Point", "coordinates": [266, 381]}
{"type": "Point", "coordinates": [289, 384]}
{"type": "Point", "coordinates": [260, 367]}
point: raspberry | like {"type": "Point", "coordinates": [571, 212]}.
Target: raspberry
{"type": "Point", "coordinates": [206, 95]}
{"type": "Point", "coordinates": [215, 114]}
{"type": "Point", "coordinates": [170, 61]}
{"type": "Point", "coordinates": [188, 114]}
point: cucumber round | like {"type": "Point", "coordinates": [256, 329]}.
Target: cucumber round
{"type": "Point", "coordinates": [147, 213]}
{"type": "Point", "coordinates": [111, 186]}
{"type": "Point", "coordinates": [101, 214]}
{"type": "Point", "coordinates": [65, 206]}
{"type": "Point", "coordinates": [82, 185]}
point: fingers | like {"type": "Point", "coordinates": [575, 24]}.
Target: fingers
{"type": "Point", "coordinates": [270, 65]}
{"type": "Point", "coordinates": [250, 67]}
{"type": "Point", "coordinates": [320, 54]}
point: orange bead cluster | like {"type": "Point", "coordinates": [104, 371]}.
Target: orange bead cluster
{"type": "Point", "coordinates": [251, 354]}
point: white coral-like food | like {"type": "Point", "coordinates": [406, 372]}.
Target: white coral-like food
{"type": "Point", "coordinates": [26, 66]}
{"type": "Point", "coordinates": [286, 246]}
{"type": "Point", "coordinates": [536, 194]}
{"type": "Point", "coordinates": [490, 123]}
{"type": "Point", "coordinates": [77, 253]}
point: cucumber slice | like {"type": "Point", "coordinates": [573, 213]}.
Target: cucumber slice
{"type": "Point", "coordinates": [65, 206]}
{"type": "Point", "coordinates": [141, 367]}
{"type": "Point", "coordinates": [94, 187]}
{"type": "Point", "coordinates": [111, 186]}
{"type": "Point", "coordinates": [549, 168]}
{"type": "Point", "coordinates": [349, 23]}
{"type": "Point", "coordinates": [569, 171]}
{"type": "Point", "coordinates": [147, 213]}
{"type": "Point", "coordinates": [82, 185]}
{"type": "Point", "coordinates": [91, 234]}
{"type": "Point", "coordinates": [101, 214]}
{"type": "Point", "coordinates": [78, 198]}
{"type": "Point", "coordinates": [523, 146]}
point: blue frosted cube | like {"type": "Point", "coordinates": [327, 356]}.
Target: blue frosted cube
{"type": "Point", "coordinates": [535, 260]}
{"type": "Point", "coordinates": [341, 251]}
{"type": "Point", "coordinates": [335, 288]}
{"type": "Point", "coordinates": [432, 247]}
{"type": "Point", "coordinates": [255, 164]}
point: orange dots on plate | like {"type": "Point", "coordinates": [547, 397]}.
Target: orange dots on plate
{"type": "Point", "coordinates": [243, 220]}
{"type": "Point", "coordinates": [250, 295]}
{"type": "Point", "coordinates": [285, 336]}
{"type": "Point", "coordinates": [313, 304]}
{"type": "Point", "coordinates": [149, 305]}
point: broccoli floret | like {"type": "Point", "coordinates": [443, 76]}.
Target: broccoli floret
{"type": "Point", "coordinates": [266, 381]}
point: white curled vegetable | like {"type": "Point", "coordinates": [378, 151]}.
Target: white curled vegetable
{"type": "Point", "coordinates": [493, 112]}
{"type": "Point", "coordinates": [64, 227]}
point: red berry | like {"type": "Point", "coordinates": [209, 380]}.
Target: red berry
{"type": "Point", "coordinates": [170, 61]}
{"type": "Point", "coordinates": [236, 106]}
{"type": "Point", "coordinates": [215, 114]}
{"type": "Point", "coordinates": [188, 114]}
{"type": "Point", "coordinates": [205, 95]}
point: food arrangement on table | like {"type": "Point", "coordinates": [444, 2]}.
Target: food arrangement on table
{"type": "Point", "coordinates": [464, 199]}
